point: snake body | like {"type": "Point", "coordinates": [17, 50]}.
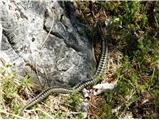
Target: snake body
{"type": "Point", "coordinates": [45, 94]}
{"type": "Point", "coordinates": [79, 87]}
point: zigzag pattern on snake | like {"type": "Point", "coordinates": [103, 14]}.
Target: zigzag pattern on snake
{"type": "Point", "coordinates": [79, 87]}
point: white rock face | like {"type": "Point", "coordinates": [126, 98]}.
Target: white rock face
{"type": "Point", "coordinates": [43, 36]}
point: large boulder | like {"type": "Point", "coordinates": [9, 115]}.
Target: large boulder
{"type": "Point", "coordinates": [45, 40]}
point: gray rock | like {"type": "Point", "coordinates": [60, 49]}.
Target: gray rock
{"type": "Point", "coordinates": [61, 58]}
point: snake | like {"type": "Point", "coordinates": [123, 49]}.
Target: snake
{"type": "Point", "coordinates": [101, 66]}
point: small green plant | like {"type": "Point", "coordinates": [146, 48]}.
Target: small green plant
{"type": "Point", "coordinates": [26, 81]}
{"type": "Point", "coordinates": [61, 116]}
{"type": "Point", "coordinates": [73, 101]}
{"type": "Point", "coordinates": [98, 78]}
{"type": "Point", "coordinates": [10, 87]}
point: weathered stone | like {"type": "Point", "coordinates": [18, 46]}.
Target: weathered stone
{"type": "Point", "coordinates": [61, 58]}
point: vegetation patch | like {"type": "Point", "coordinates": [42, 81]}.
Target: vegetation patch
{"type": "Point", "coordinates": [133, 32]}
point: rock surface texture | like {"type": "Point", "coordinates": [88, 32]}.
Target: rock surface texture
{"type": "Point", "coordinates": [45, 40]}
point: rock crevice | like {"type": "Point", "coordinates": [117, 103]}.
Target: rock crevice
{"type": "Point", "coordinates": [41, 40]}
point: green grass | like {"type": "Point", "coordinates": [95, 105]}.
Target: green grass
{"type": "Point", "coordinates": [10, 88]}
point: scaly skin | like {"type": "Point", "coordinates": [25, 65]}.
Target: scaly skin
{"type": "Point", "coordinates": [101, 65]}
{"type": "Point", "coordinates": [79, 87]}
{"type": "Point", "coordinates": [45, 94]}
